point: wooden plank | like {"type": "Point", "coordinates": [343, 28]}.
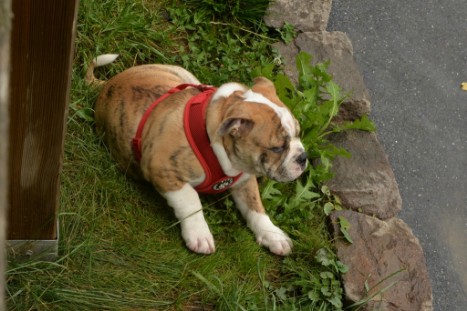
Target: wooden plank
{"type": "Point", "coordinates": [41, 57]}
{"type": "Point", "coordinates": [5, 28]}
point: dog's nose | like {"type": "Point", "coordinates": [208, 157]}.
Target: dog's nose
{"type": "Point", "coordinates": [301, 159]}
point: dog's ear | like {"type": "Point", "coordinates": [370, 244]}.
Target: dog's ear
{"type": "Point", "coordinates": [235, 127]}
{"type": "Point", "coordinates": [266, 87]}
{"type": "Point", "coordinates": [263, 85]}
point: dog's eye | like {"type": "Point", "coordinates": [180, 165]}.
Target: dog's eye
{"type": "Point", "coordinates": [277, 149]}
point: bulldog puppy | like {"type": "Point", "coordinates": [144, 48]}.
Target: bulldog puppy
{"type": "Point", "coordinates": [251, 133]}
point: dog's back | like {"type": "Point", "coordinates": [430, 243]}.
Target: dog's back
{"type": "Point", "coordinates": [123, 100]}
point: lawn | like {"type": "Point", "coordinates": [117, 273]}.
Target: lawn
{"type": "Point", "coordinates": [120, 247]}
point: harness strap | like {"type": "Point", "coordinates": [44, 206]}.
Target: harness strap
{"type": "Point", "coordinates": [136, 141]}
{"type": "Point", "coordinates": [195, 130]}
{"type": "Point", "coordinates": [215, 180]}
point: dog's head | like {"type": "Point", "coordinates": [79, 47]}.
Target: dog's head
{"type": "Point", "coordinates": [257, 132]}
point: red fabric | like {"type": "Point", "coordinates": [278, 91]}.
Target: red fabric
{"type": "Point", "coordinates": [195, 130]}
{"type": "Point", "coordinates": [136, 141]}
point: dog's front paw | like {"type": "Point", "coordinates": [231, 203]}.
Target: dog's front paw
{"type": "Point", "coordinates": [277, 241]}
{"type": "Point", "coordinates": [201, 243]}
{"type": "Point", "coordinates": [198, 238]}
{"type": "Point", "coordinates": [270, 236]}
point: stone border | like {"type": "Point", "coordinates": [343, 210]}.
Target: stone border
{"type": "Point", "coordinates": [385, 254]}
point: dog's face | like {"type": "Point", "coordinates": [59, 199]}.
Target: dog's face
{"type": "Point", "coordinates": [260, 135]}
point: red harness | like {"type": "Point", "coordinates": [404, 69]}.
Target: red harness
{"type": "Point", "coordinates": [194, 122]}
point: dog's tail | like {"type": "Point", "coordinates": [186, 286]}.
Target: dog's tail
{"type": "Point", "coordinates": [100, 60]}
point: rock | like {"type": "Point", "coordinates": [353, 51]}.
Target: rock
{"type": "Point", "coordinates": [351, 110]}
{"type": "Point", "coordinates": [304, 15]}
{"type": "Point", "coordinates": [336, 48]}
{"type": "Point", "coordinates": [380, 249]}
{"type": "Point", "coordinates": [364, 182]}
{"type": "Point", "coordinates": [288, 53]}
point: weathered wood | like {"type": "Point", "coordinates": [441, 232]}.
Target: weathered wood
{"type": "Point", "coordinates": [5, 28]}
{"type": "Point", "coordinates": [41, 57]}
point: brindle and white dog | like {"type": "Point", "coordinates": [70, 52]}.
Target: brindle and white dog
{"type": "Point", "coordinates": [251, 132]}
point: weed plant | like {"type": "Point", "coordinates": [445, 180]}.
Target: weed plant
{"type": "Point", "coordinates": [120, 246]}
{"type": "Point", "coordinates": [248, 12]}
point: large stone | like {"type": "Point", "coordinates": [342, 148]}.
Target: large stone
{"type": "Point", "coordinates": [288, 52]}
{"type": "Point", "coordinates": [383, 255]}
{"type": "Point", "coordinates": [336, 48]}
{"type": "Point", "coordinates": [365, 181]}
{"type": "Point", "coordinates": [303, 15]}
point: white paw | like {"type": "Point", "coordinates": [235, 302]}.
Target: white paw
{"type": "Point", "coordinates": [188, 209]}
{"type": "Point", "coordinates": [277, 241]}
{"type": "Point", "coordinates": [269, 235]}
{"type": "Point", "coordinates": [197, 237]}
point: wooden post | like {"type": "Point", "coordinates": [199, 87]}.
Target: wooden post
{"type": "Point", "coordinates": [5, 28]}
{"type": "Point", "coordinates": [41, 56]}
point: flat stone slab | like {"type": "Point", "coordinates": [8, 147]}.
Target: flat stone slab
{"type": "Point", "coordinates": [336, 48]}
{"type": "Point", "coordinates": [384, 251]}
{"type": "Point", "coordinates": [311, 15]}
{"type": "Point", "coordinates": [364, 182]}
{"type": "Point", "coordinates": [288, 52]}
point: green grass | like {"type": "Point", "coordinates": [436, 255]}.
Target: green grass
{"type": "Point", "coordinates": [120, 245]}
